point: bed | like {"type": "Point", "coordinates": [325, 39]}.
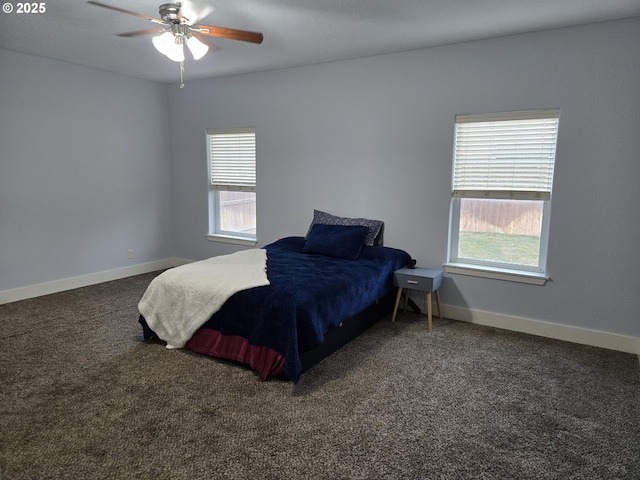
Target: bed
{"type": "Point", "coordinates": [322, 290]}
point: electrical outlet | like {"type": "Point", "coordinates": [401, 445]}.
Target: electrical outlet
{"type": "Point", "coordinates": [130, 254]}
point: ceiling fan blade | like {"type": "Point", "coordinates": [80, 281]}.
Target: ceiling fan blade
{"type": "Point", "coordinates": [128, 12]}
{"type": "Point", "coordinates": [143, 32]}
{"type": "Point", "coordinates": [231, 33]}
{"type": "Point", "coordinates": [192, 11]}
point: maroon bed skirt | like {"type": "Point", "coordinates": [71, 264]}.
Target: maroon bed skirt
{"type": "Point", "coordinates": [264, 360]}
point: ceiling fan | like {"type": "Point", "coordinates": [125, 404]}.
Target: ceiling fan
{"type": "Point", "coordinates": [178, 26]}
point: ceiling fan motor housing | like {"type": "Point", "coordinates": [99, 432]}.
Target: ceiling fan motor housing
{"type": "Point", "coordinates": [169, 12]}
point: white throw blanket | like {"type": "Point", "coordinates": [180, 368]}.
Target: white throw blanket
{"type": "Point", "coordinates": [182, 299]}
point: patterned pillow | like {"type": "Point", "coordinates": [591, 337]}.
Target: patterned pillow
{"type": "Point", "coordinates": [376, 227]}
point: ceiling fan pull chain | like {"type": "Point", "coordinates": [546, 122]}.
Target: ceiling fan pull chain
{"type": "Point", "coordinates": [182, 74]}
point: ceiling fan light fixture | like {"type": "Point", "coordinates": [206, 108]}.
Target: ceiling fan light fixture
{"type": "Point", "coordinates": [197, 48]}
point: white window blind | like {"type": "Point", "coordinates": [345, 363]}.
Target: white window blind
{"type": "Point", "coordinates": [232, 159]}
{"type": "Point", "coordinates": [505, 155]}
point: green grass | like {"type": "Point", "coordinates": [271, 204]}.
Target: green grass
{"type": "Point", "coordinates": [499, 247]}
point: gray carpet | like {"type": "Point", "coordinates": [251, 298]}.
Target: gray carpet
{"type": "Point", "coordinates": [81, 396]}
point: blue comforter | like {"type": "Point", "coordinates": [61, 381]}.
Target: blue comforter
{"type": "Point", "coordinates": [308, 295]}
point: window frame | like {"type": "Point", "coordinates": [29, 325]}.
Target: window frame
{"type": "Point", "coordinates": [533, 274]}
{"type": "Point", "coordinates": [215, 232]}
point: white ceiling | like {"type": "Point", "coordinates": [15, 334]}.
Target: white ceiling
{"type": "Point", "coordinates": [296, 32]}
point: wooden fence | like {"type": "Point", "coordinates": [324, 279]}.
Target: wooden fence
{"type": "Point", "coordinates": [513, 217]}
{"type": "Point", "coordinates": [238, 211]}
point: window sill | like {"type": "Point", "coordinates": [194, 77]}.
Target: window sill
{"type": "Point", "coordinates": [520, 276]}
{"type": "Point", "coordinates": [231, 239]}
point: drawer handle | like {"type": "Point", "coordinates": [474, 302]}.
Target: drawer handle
{"type": "Point", "coordinates": [412, 282]}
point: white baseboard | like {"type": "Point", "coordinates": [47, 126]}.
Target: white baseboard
{"type": "Point", "coordinates": [584, 336]}
{"type": "Point", "coordinates": [31, 291]}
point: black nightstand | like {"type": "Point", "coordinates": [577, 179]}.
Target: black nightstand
{"type": "Point", "coordinates": [418, 279]}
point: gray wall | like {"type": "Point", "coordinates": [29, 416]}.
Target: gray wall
{"type": "Point", "coordinates": [91, 166]}
{"type": "Point", "coordinates": [85, 171]}
{"type": "Point", "coordinates": [373, 137]}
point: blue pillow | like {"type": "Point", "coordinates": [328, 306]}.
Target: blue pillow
{"type": "Point", "coordinates": [376, 227]}
{"type": "Point", "coordinates": [340, 241]}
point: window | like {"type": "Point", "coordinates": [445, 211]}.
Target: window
{"type": "Point", "coordinates": [232, 184]}
{"type": "Point", "coordinates": [501, 194]}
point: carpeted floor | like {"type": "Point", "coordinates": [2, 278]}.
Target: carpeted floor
{"type": "Point", "coordinates": [81, 396]}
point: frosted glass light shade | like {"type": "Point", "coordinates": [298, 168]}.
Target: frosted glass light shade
{"type": "Point", "coordinates": [176, 53]}
{"type": "Point", "coordinates": [166, 44]}
{"type": "Point", "coordinates": [198, 49]}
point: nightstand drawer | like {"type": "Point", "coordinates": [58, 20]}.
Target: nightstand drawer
{"type": "Point", "coordinates": [418, 279]}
